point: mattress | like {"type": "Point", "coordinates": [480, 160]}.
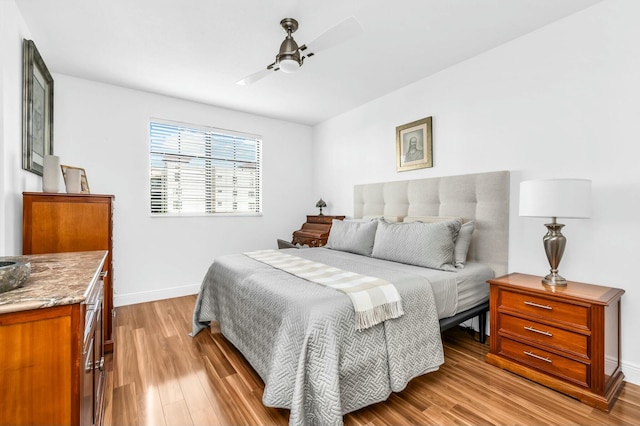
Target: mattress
{"type": "Point", "coordinates": [454, 292]}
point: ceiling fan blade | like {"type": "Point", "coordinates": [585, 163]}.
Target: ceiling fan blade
{"type": "Point", "coordinates": [335, 35]}
{"type": "Point", "coordinates": [250, 79]}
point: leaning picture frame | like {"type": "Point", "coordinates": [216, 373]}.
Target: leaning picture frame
{"type": "Point", "coordinates": [84, 182]}
{"type": "Point", "coordinates": [37, 109]}
{"type": "Point", "coordinates": [414, 145]}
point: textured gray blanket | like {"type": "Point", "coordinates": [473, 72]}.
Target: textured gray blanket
{"type": "Point", "coordinates": [300, 336]}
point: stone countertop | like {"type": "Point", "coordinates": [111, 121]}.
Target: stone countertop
{"type": "Point", "coordinates": [56, 279]}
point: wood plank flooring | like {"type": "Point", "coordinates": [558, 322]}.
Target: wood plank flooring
{"type": "Point", "coordinates": [159, 375]}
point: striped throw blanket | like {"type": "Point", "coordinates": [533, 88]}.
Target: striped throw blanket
{"type": "Point", "coordinates": [374, 300]}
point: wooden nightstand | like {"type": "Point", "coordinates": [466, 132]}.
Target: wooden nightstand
{"type": "Point", "coordinates": [566, 338]}
{"type": "Point", "coordinates": [315, 231]}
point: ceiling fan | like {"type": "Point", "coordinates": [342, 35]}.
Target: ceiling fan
{"type": "Point", "coordinates": [291, 56]}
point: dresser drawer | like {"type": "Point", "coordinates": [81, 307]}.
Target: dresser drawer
{"type": "Point", "coordinates": [544, 361]}
{"type": "Point", "coordinates": [545, 334]}
{"type": "Point", "coordinates": [549, 309]}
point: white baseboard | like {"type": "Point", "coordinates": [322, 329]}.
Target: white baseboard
{"type": "Point", "coordinates": [631, 372]}
{"type": "Point", "coordinates": [153, 295]}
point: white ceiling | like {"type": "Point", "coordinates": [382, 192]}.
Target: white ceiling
{"type": "Point", "coordinates": [198, 49]}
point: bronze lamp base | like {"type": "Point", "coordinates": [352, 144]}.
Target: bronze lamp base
{"type": "Point", "coordinates": [554, 243]}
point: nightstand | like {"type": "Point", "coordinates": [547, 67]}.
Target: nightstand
{"type": "Point", "coordinates": [566, 338]}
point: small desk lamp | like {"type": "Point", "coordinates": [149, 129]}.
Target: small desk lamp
{"type": "Point", "coordinates": [321, 204]}
{"type": "Point", "coordinates": [568, 198]}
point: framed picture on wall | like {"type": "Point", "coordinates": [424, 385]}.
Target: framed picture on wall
{"type": "Point", "coordinates": [414, 146]}
{"type": "Point", "coordinates": [37, 109]}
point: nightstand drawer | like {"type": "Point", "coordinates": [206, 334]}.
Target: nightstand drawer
{"type": "Point", "coordinates": [547, 362]}
{"type": "Point", "coordinates": [547, 335]}
{"type": "Point", "coordinates": [551, 310]}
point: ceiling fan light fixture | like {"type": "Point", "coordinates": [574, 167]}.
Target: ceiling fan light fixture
{"type": "Point", "coordinates": [288, 57]}
{"type": "Point", "coordinates": [288, 64]}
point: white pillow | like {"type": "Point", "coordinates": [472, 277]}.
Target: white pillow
{"type": "Point", "coordinates": [352, 236]}
{"type": "Point", "coordinates": [462, 244]}
{"type": "Point", "coordinates": [422, 244]}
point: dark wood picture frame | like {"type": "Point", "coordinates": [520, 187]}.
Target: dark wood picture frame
{"type": "Point", "coordinates": [414, 145]}
{"type": "Point", "coordinates": [37, 109]}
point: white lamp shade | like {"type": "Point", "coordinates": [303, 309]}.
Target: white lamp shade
{"type": "Point", "coordinates": [567, 198]}
{"type": "Point", "coordinates": [289, 66]}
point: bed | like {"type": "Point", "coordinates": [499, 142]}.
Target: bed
{"type": "Point", "coordinates": [301, 337]}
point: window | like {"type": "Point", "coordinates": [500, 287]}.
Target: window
{"type": "Point", "coordinates": [202, 170]}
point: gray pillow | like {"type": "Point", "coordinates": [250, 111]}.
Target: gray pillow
{"type": "Point", "coordinates": [387, 218]}
{"type": "Point", "coordinates": [354, 237]}
{"type": "Point", "coordinates": [462, 244]}
{"type": "Point", "coordinates": [421, 244]}
{"type": "Point", "coordinates": [431, 219]}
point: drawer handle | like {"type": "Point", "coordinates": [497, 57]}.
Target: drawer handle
{"type": "Point", "coordinates": [99, 364]}
{"type": "Point", "coordinates": [536, 305]}
{"type": "Point", "coordinates": [89, 365]}
{"type": "Point", "coordinates": [541, 358]}
{"type": "Point", "coordinates": [535, 330]}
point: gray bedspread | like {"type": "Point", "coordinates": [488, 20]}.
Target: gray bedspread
{"type": "Point", "coordinates": [300, 336]}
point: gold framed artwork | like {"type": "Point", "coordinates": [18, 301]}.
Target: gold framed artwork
{"type": "Point", "coordinates": [73, 175]}
{"type": "Point", "coordinates": [37, 109]}
{"type": "Point", "coordinates": [414, 145]}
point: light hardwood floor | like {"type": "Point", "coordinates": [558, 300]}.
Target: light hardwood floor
{"type": "Point", "coordinates": [159, 375]}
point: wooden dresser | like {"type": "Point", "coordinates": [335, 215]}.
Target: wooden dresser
{"type": "Point", "coordinates": [55, 223]}
{"type": "Point", "coordinates": [566, 338]}
{"type": "Point", "coordinates": [51, 347]}
{"type": "Point", "coordinates": [315, 231]}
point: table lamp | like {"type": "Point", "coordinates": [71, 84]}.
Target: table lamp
{"type": "Point", "coordinates": [321, 204]}
{"type": "Point", "coordinates": [554, 198]}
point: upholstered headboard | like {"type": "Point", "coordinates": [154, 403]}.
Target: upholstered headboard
{"type": "Point", "coordinates": [482, 197]}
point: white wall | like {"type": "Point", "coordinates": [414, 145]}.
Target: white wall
{"type": "Point", "coordinates": [559, 102]}
{"type": "Point", "coordinates": [13, 180]}
{"type": "Point", "coordinates": [105, 129]}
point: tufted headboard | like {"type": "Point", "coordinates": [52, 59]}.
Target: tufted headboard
{"type": "Point", "coordinates": [482, 197]}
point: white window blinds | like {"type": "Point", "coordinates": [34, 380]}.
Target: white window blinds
{"type": "Point", "coordinates": [202, 170]}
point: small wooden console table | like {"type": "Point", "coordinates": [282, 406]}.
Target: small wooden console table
{"type": "Point", "coordinates": [315, 231]}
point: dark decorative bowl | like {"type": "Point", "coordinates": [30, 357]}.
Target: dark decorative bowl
{"type": "Point", "coordinates": [13, 274]}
